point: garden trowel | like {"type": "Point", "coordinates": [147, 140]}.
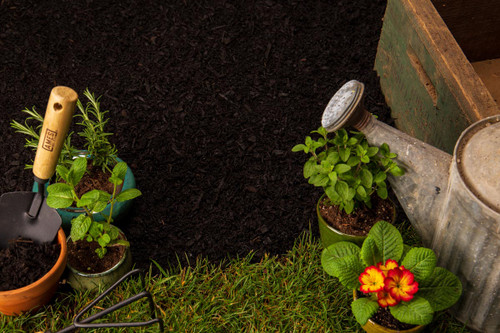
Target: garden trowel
{"type": "Point", "coordinates": [26, 214]}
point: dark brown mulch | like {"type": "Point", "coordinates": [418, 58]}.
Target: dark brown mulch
{"type": "Point", "coordinates": [24, 262]}
{"type": "Point", "coordinates": [206, 100]}
{"type": "Point", "coordinates": [82, 256]}
{"type": "Point", "coordinates": [384, 317]}
{"type": "Point", "coordinates": [361, 220]}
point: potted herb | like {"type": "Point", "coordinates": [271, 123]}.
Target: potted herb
{"type": "Point", "coordinates": [393, 283]}
{"type": "Point", "coordinates": [97, 148]}
{"type": "Point", "coordinates": [98, 253]}
{"type": "Point", "coordinates": [17, 295]}
{"type": "Point", "coordinates": [353, 176]}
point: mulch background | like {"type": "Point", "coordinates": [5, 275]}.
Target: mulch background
{"type": "Point", "coordinates": [206, 100]}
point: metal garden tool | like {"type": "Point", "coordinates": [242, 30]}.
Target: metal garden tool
{"type": "Point", "coordinates": [26, 214]}
{"type": "Point", "coordinates": [452, 201]}
{"type": "Point", "coordinates": [78, 322]}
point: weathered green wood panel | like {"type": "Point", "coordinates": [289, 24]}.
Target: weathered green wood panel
{"type": "Point", "coordinates": [432, 89]}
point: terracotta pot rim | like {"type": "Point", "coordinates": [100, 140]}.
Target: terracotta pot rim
{"type": "Point", "coordinates": [112, 269]}
{"type": "Point", "coordinates": [322, 220]}
{"type": "Point", "coordinates": [61, 239]}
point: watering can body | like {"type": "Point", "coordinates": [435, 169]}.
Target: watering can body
{"type": "Point", "coordinates": [452, 201]}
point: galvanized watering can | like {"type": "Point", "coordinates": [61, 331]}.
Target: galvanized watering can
{"type": "Point", "coordinates": [452, 201]}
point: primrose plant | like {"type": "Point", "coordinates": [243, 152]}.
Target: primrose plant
{"type": "Point", "coordinates": [62, 195]}
{"type": "Point", "coordinates": [392, 275]}
{"type": "Point", "coordinates": [348, 168]}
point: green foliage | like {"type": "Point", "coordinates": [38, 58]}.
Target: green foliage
{"type": "Point", "coordinates": [92, 123]}
{"type": "Point", "coordinates": [347, 168]}
{"type": "Point", "coordinates": [62, 195]}
{"type": "Point", "coordinates": [438, 289]}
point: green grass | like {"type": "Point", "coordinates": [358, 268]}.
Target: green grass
{"type": "Point", "coordinates": [289, 293]}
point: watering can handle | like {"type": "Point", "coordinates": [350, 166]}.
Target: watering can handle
{"type": "Point", "coordinates": [56, 124]}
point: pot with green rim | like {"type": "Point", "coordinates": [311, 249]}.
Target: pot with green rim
{"type": "Point", "coordinates": [329, 235]}
{"type": "Point", "coordinates": [80, 280]}
{"type": "Point", "coordinates": [119, 211]}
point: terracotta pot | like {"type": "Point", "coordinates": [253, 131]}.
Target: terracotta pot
{"type": "Point", "coordinates": [373, 327]}
{"type": "Point", "coordinates": [330, 235]}
{"type": "Point", "coordinates": [40, 292]}
{"type": "Point", "coordinates": [90, 281]}
{"type": "Point", "coordinates": [119, 210]}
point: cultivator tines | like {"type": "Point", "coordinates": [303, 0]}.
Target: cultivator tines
{"type": "Point", "coordinates": [87, 322]}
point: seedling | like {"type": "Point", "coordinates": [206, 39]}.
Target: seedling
{"type": "Point", "coordinates": [348, 168]}
{"type": "Point", "coordinates": [62, 195]}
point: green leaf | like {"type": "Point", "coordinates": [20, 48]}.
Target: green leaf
{"type": "Point", "coordinates": [421, 262]}
{"type": "Point", "coordinates": [418, 311]}
{"type": "Point", "coordinates": [59, 195]}
{"type": "Point", "coordinates": [101, 252]}
{"type": "Point", "coordinates": [342, 168]}
{"type": "Point", "coordinates": [342, 189]}
{"type": "Point", "coordinates": [397, 171]}
{"type": "Point", "coordinates": [115, 180]}
{"type": "Point", "coordinates": [382, 192]}
{"type": "Point", "coordinates": [384, 149]}
{"type": "Point", "coordinates": [333, 177]}
{"type": "Point", "coordinates": [353, 161]}
{"type": "Point", "coordinates": [363, 309]}
{"type": "Point", "coordinates": [344, 154]}
{"type": "Point", "coordinates": [442, 289]}
{"type": "Point", "coordinates": [365, 159]}
{"type": "Point", "coordinates": [366, 178]}
{"type": "Point", "coordinates": [104, 240]}
{"type": "Point", "coordinates": [337, 251]}
{"type": "Point", "coordinates": [380, 177]}
{"type": "Point", "coordinates": [62, 171]}
{"type": "Point", "coordinates": [120, 170]}
{"type": "Point", "coordinates": [352, 141]}
{"type": "Point", "coordinates": [332, 157]}
{"type": "Point", "coordinates": [361, 191]}
{"type": "Point", "coordinates": [77, 170]}
{"type": "Point", "coordinates": [319, 180]}
{"type": "Point", "coordinates": [332, 194]}
{"type": "Point", "coordinates": [299, 147]}
{"type": "Point", "coordinates": [388, 240]}
{"type": "Point", "coordinates": [372, 151]}
{"type": "Point", "coordinates": [310, 167]}
{"type": "Point", "coordinates": [95, 230]}
{"type": "Point", "coordinates": [79, 227]}
{"type": "Point", "coordinates": [370, 253]}
{"type": "Point", "coordinates": [88, 199]}
{"type": "Point", "coordinates": [128, 194]}
{"type": "Point", "coordinates": [349, 206]}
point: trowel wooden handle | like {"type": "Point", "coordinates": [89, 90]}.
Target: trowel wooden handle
{"type": "Point", "coordinates": [56, 123]}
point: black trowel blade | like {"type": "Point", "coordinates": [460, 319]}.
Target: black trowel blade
{"type": "Point", "coordinates": [15, 221]}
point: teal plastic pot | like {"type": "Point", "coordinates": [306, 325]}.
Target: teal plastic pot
{"type": "Point", "coordinates": [95, 281]}
{"type": "Point", "coordinates": [120, 209]}
{"type": "Point", "coordinates": [330, 235]}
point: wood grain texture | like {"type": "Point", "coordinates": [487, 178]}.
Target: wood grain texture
{"type": "Point", "coordinates": [432, 89]}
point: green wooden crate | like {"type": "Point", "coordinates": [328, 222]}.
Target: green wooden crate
{"type": "Point", "coordinates": [426, 66]}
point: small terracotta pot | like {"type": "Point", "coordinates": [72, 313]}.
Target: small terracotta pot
{"type": "Point", "coordinates": [330, 235]}
{"type": "Point", "coordinates": [373, 327]}
{"type": "Point", "coordinates": [40, 292]}
{"type": "Point", "coordinates": [92, 281]}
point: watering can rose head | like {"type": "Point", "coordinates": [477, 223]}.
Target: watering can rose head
{"type": "Point", "coordinates": [347, 167]}
{"type": "Point", "coordinates": [392, 275]}
{"type": "Point", "coordinates": [63, 195]}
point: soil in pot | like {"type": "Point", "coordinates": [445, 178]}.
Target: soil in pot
{"type": "Point", "coordinates": [94, 178]}
{"type": "Point", "coordinates": [82, 256]}
{"type": "Point", "coordinates": [24, 262]}
{"type": "Point", "coordinates": [361, 220]}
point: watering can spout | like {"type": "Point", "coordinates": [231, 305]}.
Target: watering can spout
{"type": "Point", "coordinates": [422, 190]}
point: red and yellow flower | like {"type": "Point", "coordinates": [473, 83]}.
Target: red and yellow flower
{"type": "Point", "coordinates": [389, 264]}
{"type": "Point", "coordinates": [390, 282]}
{"type": "Point", "coordinates": [372, 280]}
{"type": "Point", "coordinates": [385, 299]}
{"type": "Point", "coordinates": [400, 284]}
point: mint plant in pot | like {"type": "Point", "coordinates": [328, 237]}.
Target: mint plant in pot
{"type": "Point", "coordinates": [98, 252]}
{"type": "Point", "coordinates": [397, 288]}
{"type": "Point", "coordinates": [353, 176]}
{"type": "Point", "coordinates": [95, 146]}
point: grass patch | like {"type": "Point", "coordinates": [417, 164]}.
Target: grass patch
{"type": "Point", "coordinates": [289, 293]}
